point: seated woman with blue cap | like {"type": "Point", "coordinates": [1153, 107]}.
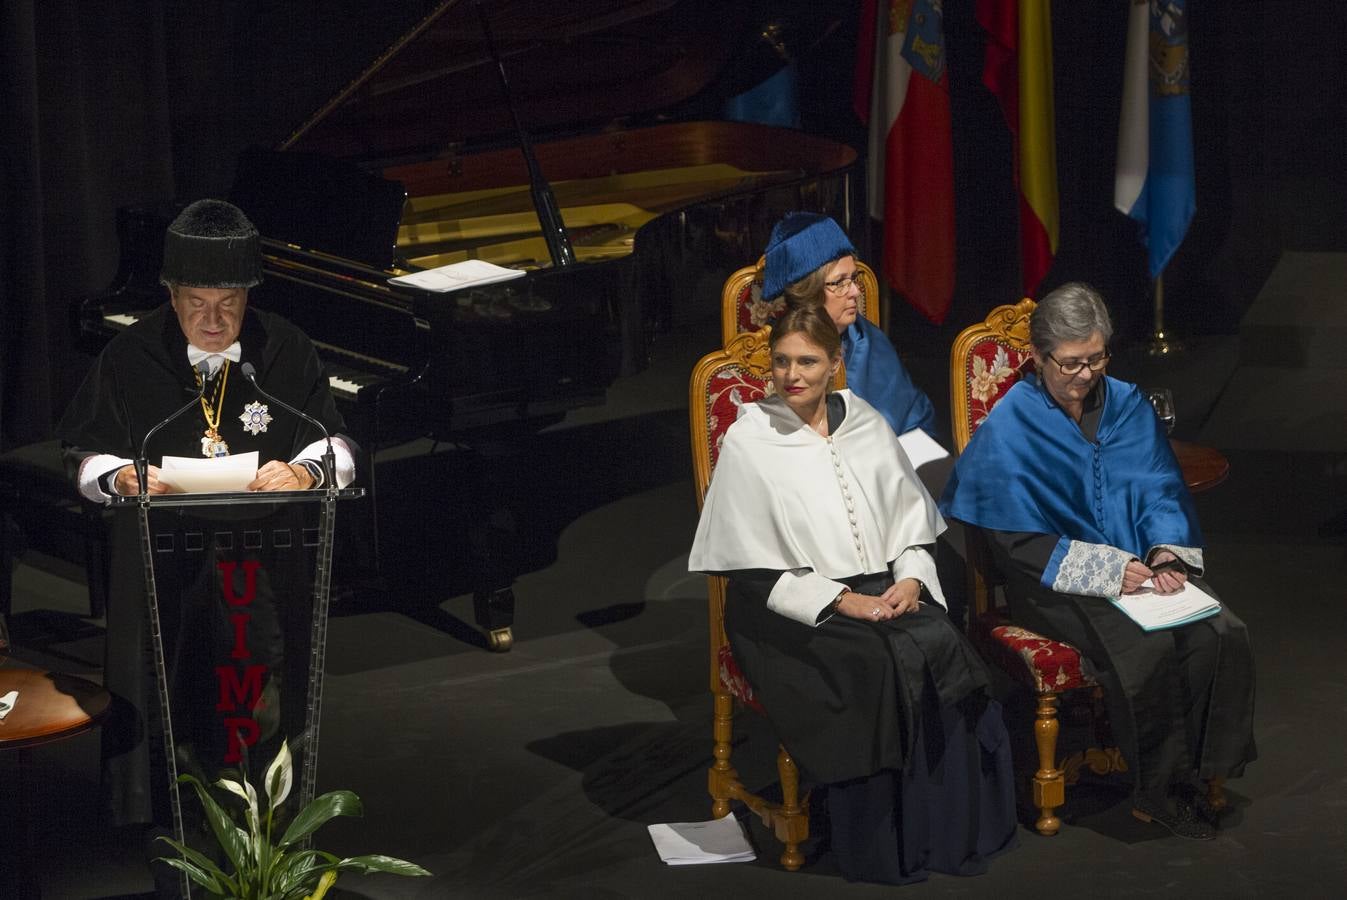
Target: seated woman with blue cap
{"type": "Point", "coordinates": [811, 261]}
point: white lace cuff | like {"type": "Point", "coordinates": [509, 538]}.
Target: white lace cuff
{"type": "Point", "coordinates": [1191, 556]}
{"type": "Point", "coordinates": [1077, 567]}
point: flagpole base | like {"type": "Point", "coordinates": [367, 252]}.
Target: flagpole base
{"type": "Point", "coordinates": [1162, 343]}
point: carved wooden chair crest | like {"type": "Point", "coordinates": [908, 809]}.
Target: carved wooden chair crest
{"type": "Point", "coordinates": [742, 308]}
{"type": "Point", "coordinates": [985, 362]}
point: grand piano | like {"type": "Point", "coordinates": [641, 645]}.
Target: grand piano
{"type": "Point", "coordinates": [618, 208]}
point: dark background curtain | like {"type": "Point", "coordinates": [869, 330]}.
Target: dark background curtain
{"type": "Point", "coordinates": [105, 104]}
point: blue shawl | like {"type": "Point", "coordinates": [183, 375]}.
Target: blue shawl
{"type": "Point", "coordinates": [1029, 468]}
{"type": "Point", "coordinates": [875, 374]}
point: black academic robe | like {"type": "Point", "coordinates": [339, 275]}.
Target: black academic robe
{"type": "Point", "coordinates": [141, 377]}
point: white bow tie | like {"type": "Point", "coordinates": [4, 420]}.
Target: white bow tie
{"type": "Point", "coordinates": [214, 359]}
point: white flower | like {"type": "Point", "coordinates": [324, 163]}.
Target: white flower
{"type": "Point", "coordinates": [280, 776]}
{"type": "Point", "coordinates": [986, 379]}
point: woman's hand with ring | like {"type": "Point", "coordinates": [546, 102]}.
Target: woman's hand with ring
{"type": "Point", "coordinates": [863, 606]}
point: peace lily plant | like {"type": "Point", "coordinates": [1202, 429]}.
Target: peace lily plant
{"type": "Point", "coordinates": [265, 869]}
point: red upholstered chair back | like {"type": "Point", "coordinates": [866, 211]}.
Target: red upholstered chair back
{"type": "Point", "coordinates": [721, 383]}
{"type": "Point", "coordinates": [985, 362]}
{"type": "Point", "coordinates": [743, 310]}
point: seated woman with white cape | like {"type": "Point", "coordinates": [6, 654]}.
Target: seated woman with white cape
{"type": "Point", "coordinates": [837, 619]}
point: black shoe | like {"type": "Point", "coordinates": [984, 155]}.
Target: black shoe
{"type": "Point", "coordinates": [1184, 822]}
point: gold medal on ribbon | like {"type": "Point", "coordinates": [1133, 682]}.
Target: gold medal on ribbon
{"type": "Point", "coordinates": [212, 444]}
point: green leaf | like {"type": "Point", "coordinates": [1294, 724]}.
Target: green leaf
{"type": "Point", "coordinates": [312, 817]}
{"type": "Point", "coordinates": [231, 838]}
{"type": "Point", "coordinates": [200, 860]}
{"type": "Point", "coordinates": [376, 862]}
{"type": "Point", "coordinates": [195, 874]}
{"type": "Point", "coordinates": [302, 869]}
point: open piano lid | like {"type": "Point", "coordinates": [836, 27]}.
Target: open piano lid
{"type": "Point", "coordinates": [571, 64]}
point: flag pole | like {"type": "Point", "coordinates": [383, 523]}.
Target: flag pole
{"type": "Point", "coordinates": [1161, 343]}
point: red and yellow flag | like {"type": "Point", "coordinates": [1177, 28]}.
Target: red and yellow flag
{"type": "Point", "coordinates": [1017, 68]}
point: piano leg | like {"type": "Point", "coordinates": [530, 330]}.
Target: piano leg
{"type": "Point", "coordinates": [494, 542]}
{"type": "Point", "coordinates": [494, 612]}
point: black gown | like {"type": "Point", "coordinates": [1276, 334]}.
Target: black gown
{"type": "Point", "coordinates": [141, 377]}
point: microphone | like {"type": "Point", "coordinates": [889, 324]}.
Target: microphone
{"type": "Point", "coordinates": [329, 458]}
{"type": "Point", "coordinates": [202, 370]}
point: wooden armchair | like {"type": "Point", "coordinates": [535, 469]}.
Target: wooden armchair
{"type": "Point", "coordinates": [742, 308]}
{"type": "Point", "coordinates": [721, 383]}
{"type": "Point", "coordinates": [987, 359]}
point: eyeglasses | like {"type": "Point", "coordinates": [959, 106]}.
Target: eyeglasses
{"type": "Point", "coordinates": [840, 285]}
{"type": "Point", "coordinates": [1094, 363]}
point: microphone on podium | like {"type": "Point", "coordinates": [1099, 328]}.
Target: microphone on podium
{"type": "Point", "coordinates": [329, 458]}
{"type": "Point", "coordinates": [142, 465]}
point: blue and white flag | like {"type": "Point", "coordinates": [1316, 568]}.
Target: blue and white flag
{"type": "Point", "coordinates": [1154, 182]}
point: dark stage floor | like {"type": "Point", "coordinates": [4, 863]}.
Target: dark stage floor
{"type": "Point", "coordinates": [534, 773]}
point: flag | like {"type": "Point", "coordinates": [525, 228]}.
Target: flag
{"type": "Point", "coordinates": [1154, 181]}
{"type": "Point", "coordinates": [902, 92]}
{"type": "Point", "coordinates": [1017, 69]}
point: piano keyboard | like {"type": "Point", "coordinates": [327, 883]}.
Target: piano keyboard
{"type": "Point", "coordinates": [346, 382]}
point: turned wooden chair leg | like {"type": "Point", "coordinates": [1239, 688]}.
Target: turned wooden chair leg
{"type": "Point", "coordinates": [721, 774]}
{"type": "Point", "coordinates": [794, 824]}
{"type": "Point", "coordinates": [1049, 789]}
{"type": "Point", "coordinates": [1216, 794]}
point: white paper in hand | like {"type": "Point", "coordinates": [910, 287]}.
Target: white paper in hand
{"type": "Point", "coordinates": [1154, 612]}
{"type": "Point", "coordinates": [694, 843]}
{"type": "Point", "coordinates": [199, 475]}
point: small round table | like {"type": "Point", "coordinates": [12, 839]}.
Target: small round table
{"type": "Point", "coordinates": [50, 707]}
{"type": "Point", "coordinates": [1203, 467]}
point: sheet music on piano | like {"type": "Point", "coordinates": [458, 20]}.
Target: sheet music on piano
{"type": "Point", "coordinates": [459, 275]}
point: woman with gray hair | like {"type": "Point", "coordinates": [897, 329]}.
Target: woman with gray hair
{"type": "Point", "coordinates": [1073, 481]}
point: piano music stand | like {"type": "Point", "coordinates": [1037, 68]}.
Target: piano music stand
{"type": "Point", "coordinates": [237, 588]}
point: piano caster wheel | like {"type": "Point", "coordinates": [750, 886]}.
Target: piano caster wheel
{"type": "Point", "coordinates": [500, 640]}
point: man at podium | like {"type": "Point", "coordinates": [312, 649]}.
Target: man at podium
{"type": "Point", "coordinates": [243, 366]}
{"type": "Point", "coordinates": [212, 256]}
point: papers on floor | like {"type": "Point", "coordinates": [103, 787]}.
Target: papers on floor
{"type": "Point", "coordinates": [693, 843]}
{"type": "Point", "coordinates": [459, 275]}
{"type": "Point", "coordinates": [1156, 611]}
{"type": "Point", "coordinates": [7, 703]}
{"type": "Point", "coordinates": [199, 475]}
